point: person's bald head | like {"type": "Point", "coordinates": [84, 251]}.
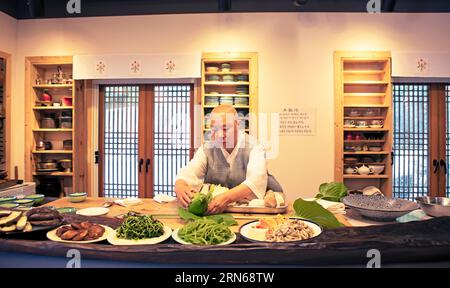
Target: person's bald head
{"type": "Point", "coordinates": [224, 110]}
{"type": "Point", "coordinates": [224, 125]}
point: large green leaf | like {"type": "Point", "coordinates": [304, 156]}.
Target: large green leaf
{"type": "Point", "coordinates": [313, 211]}
{"type": "Point", "coordinates": [333, 191]}
{"type": "Point", "coordinates": [219, 218]}
{"type": "Point", "coordinates": [186, 215]}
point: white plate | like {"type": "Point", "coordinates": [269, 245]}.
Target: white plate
{"type": "Point", "coordinates": [244, 231]}
{"type": "Point", "coordinates": [376, 126]}
{"type": "Point", "coordinates": [93, 211]}
{"type": "Point", "coordinates": [112, 239]}
{"type": "Point", "coordinates": [52, 236]}
{"type": "Point", "coordinates": [181, 241]}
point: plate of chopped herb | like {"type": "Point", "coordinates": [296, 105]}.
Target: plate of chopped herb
{"type": "Point", "coordinates": [140, 230]}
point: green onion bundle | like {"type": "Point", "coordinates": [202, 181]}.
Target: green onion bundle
{"type": "Point", "coordinates": [205, 232]}
{"type": "Point", "coordinates": [140, 227]}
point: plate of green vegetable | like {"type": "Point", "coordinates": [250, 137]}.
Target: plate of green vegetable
{"type": "Point", "coordinates": [140, 230]}
{"type": "Point", "coordinates": [204, 232]}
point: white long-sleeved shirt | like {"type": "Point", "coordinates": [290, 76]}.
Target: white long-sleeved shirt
{"type": "Point", "coordinates": [256, 178]}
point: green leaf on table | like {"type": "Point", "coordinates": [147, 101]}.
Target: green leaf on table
{"type": "Point", "coordinates": [186, 215]}
{"type": "Point", "coordinates": [311, 210]}
{"type": "Point", "coordinates": [333, 191]}
{"type": "Point", "coordinates": [219, 218]}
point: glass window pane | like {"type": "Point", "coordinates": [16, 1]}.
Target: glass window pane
{"type": "Point", "coordinates": [121, 141]}
{"type": "Point", "coordinates": [410, 167]}
{"type": "Point", "coordinates": [172, 134]}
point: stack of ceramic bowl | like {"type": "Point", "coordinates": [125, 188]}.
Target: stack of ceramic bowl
{"type": "Point", "coordinates": [225, 67]}
{"type": "Point", "coordinates": [212, 69]}
{"type": "Point", "coordinates": [24, 202]}
{"type": "Point", "coordinates": [37, 198]}
{"type": "Point", "coordinates": [213, 78]}
{"type": "Point", "coordinates": [351, 160]}
{"type": "Point", "coordinates": [228, 78]}
{"type": "Point", "coordinates": [377, 169]}
{"type": "Point", "coordinates": [8, 202]}
{"type": "Point", "coordinates": [242, 78]}
{"type": "Point", "coordinates": [212, 101]}
{"type": "Point", "coordinates": [242, 89]}
{"type": "Point", "coordinates": [226, 100]}
{"type": "Point", "coordinates": [241, 101]}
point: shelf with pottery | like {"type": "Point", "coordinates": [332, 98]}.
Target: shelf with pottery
{"type": "Point", "coordinates": [209, 129]}
{"type": "Point", "coordinates": [52, 152]}
{"type": "Point", "coordinates": [225, 83]}
{"type": "Point", "coordinates": [366, 106]}
{"type": "Point", "coordinates": [55, 174]}
{"type": "Point", "coordinates": [227, 95]}
{"type": "Point", "coordinates": [364, 163]}
{"type": "Point", "coordinates": [364, 117]}
{"type": "Point", "coordinates": [227, 73]}
{"type": "Point", "coordinates": [364, 141]}
{"type": "Point", "coordinates": [363, 111]}
{"type": "Point", "coordinates": [52, 130]}
{"type": "Point", "coordinates": [47, 108]}
{"type": "Point", "coordinates": [231, 75]}
{"type": "Point", "coordinates": [235, 106]}
{"type": "Point", "coordinates": [370, 176]}
{"type": "Point", "coordinates": [53, 86]}
{"type": "Point", "coordinates": [50, 115]}
{"type": "Point", "coordinates": [366, 129]}
{"type": "Point", "coordinates": [367, 153]}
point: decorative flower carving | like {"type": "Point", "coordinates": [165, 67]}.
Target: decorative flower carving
{"type": "Point", "coordinates": [170, 66]}
{"type": "Point", "coordinates": [100, 67]}
{"type": "Point", "coordinates": [422, 65]}
{"type": "Point", "coordinates": [135, 67]}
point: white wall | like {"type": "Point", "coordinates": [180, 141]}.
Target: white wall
{"type": "Point", "coordinates": [8, 33]}
{"type": "Point", "coordinates": [295, 62]}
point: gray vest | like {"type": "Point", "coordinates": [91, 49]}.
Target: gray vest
{"type": "Point", "coordinates": [218, 170]}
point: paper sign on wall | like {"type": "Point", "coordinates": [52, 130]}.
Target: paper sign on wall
{"type": "Point", "coordinates": [295, 121]}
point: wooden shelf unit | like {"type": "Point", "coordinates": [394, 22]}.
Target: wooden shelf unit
{"type": "Point", "coordinates": [363, 92]}
{"type": "Point", "coordinates": [53, 108]}
{"type": "Point", "coordinates": [52, 152]}
{"type": "Point", "coordinates": [242, 63]}
{"type": "Point", "coordinates": [371, 176]}
{"type": "Point", "coordinates": [42, 68]}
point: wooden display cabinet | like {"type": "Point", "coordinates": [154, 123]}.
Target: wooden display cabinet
{"type": "Point", "coordinates": [363, 118]}
{"type": "Point", "coordinates": [239, 90]}
{"type": "Point", "coordinates": [40, 79]}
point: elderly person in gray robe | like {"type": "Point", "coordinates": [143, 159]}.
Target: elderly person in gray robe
{"type": "Point", "coordinates": [231, 159]}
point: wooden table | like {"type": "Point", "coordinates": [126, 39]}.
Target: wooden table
{"type": "Point", "coordinates": [426, 240]}
{"type": "Point", "coordinates": [166, 213]}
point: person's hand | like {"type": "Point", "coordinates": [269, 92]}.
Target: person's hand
{"type": "Point", "coordinates": [184, 195]}
{"type": "Point", "coordinates": [218, 204]}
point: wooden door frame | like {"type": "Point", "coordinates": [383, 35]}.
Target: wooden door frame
{"type": "Point", "coordinates": [146, 100]}
{"type": "Point", "coordinates": [146, 136]}
{"type": "Point", "coordinates": [437, 139]}
{"type": "Point", "coordinates": [101, 139]}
